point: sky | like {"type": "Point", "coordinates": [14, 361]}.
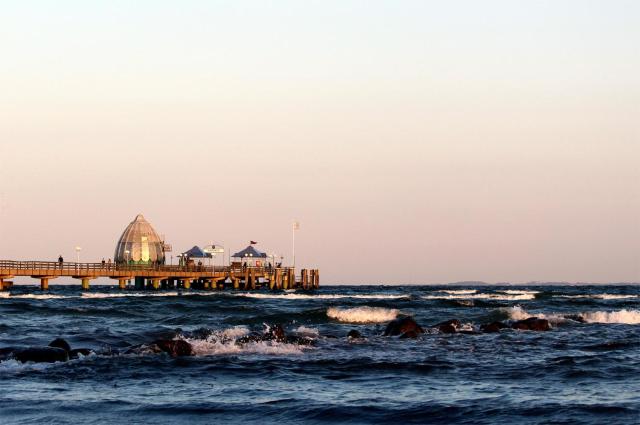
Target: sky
{"type": "Point", "coordinates": [416, 142]}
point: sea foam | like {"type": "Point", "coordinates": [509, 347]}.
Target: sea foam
{"type": "Point", "coordinates": [483, 296]}
{"type": "Point", "coordinates": [362, 314]}
{"type": "Point", "coordinates": [601, 296]}
{"type": "Point", "coordinates": [225, 343]}
{"type": "Point", "coordinates": [319, 296]}
{"type": "Point", "coordinates": [629, 317]}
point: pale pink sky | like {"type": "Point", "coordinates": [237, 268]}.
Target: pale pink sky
{"type": "Point", "coordinates": [415, 142]}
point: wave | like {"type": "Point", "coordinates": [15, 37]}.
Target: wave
{"type": "Point", "coordinates": [600, 296]}
{"type": "Point", "coordinates": [4, 294]}
{"type": "Point", "coordinates": [460, 291]}
{"type": "Point", "coordinates": [320, 296]}
{"type": "Point", "coordinates": [305, 331]}
{"type": "Point", "coordinates": [519, 292]}
{"type": "Point", "coordinates": [629, 317]}
{"type": "Point", "coordinates": [363, 314]}
{"type": "Point", "coordinates": [40, 296]}
{"type": "Point", "coordinates": [14, 366]}
{"type": "Point", "coordinates": [225, 342]}
{"type": "Point", "coordinates": [496, 297]}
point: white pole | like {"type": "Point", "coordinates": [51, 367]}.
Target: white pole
{"type": "Point", "coordinates": [293, 231]}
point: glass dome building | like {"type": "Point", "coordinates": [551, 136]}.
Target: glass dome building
{"type": "Point", "coordinates": [139, 244]}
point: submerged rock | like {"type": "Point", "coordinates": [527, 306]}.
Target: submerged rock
{"type": "Point", "coordinates": [174, 347]}
{"type": "Point", "coordinates": [449, 327]}
{"type": "Point", "coordinates": [575, 318]}
{"type": "Point", "coordinates": [40, 355]}
{"type": "Point", "coordinates": [532, 324]}
{"type": "Point", "coordinates": [493, 327]}
{"type": "Point", "coordinates": [403, 325]}
{"type": "Point", "coordinates": [58, 350]}
{"type": "Point", "coordinates": [60, 343]}
{"type": "Point", "coordinates": [354, 334]}
{"type": "Point", "coordinates": [275, 333]}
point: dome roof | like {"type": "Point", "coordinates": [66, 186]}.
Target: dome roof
{"type": "Point", "coordinates": [143, 244]}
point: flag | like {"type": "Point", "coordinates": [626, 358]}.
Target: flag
{"type": "Point", "coordinates": [296, 225]}
{"type": "Point", "coordinates": [253, 242]}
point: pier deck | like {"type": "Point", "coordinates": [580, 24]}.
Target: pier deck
{"type": "Point", "coordinates": [161, 276]}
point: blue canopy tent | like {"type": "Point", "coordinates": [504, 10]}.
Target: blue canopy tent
{"type": "Point", "coordinates": [250, 254]}
{"type": "Point", "coordinates": [196, 252]}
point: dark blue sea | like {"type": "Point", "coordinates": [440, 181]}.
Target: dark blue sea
{"type": "Point", "coordinates": [585, 370]}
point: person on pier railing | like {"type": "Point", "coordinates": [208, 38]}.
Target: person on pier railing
{"type": "Point", "coordinates": [60, 260]}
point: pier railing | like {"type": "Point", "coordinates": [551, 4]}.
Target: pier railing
{"type": "Point", "coordinates": [120, 267]}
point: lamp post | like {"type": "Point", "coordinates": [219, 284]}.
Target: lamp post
{"type": "Point", "coordinates": [78, 249]}
{"type": "Point", "coordinates": [126, 253]}
{"type": "Point", "coordinates": [295, 226]}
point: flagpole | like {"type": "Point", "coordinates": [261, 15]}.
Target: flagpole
{"type": "Point", "coordinates": [293, 233]}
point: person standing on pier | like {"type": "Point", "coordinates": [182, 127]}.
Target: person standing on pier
{"type": "Point", "coordinates": [60, 260]}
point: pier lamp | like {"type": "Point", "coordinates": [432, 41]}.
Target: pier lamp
{"type": "Point", "coordinates": [78, 249]}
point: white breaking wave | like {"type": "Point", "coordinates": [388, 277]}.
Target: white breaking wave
{"type": "Point", "coordinates": [147, 294]}
{"type": "Point", "coordinates": [600, 296]}
{"type": "Point", "coordinates": [363, 314]}
{"type": "Point", "coordinates": [4, 295]}
{"type": "Point", "coordinates": [519, 291]}
{"type": "Point", "coordinates": [130, 294]}
{"type": "Point", "coordinates": [460, 291]}
{"type": "Point", "coordinates": [224, 343]}
{"type": "Point", "coordinates": [14, 366]}
{"type": "Point", "coordinates": [40, 296]}
{"type": "Point", "coordinates": [305, 331]}
{"type": "Point", "coordinates": [629, 317]}
{"type": "Point", "coordinates": [320, 296]}
{"type": "Point", "coordinates": [497, 297]}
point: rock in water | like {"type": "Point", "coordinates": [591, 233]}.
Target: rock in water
{"type": "Point", "coordinates": [403, 325]}
{"type": "Point", "coordinates": [60, 343]}
{"type": "Point", "coordinates": [174, 347]}
{"type": "Point", "coordinates": [274, 333]}
{"type": "Point", "coordinates": [575, 318]}
{"type": "Point", "coordinates": [449, 327]}
{"type": "Point", "coordinates": [409, 334]}
{"type": "Point", "coordinates": [354, 334]}
{"type": "Point", "coordinates": [41, 355]}
{"type": "Point", "coordinates": [532, 324]}
{"type": "Point", "coordinates": [492, 327]}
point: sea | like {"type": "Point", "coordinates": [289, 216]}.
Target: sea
{"type": "Point", "coordinates": [585, 370]}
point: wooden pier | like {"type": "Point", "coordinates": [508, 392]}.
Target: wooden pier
{"type": "Point", "coordinates": [162, 276]}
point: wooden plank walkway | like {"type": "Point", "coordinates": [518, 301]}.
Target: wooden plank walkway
{"type": "Point", "coordinates": [161, 275]}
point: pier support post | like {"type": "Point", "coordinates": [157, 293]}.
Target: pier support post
{"type": "Point", "coordinates": [206, 284]}
{"type": "Point", "coordinates": [122, 283]}
{"type": "Point", "coordinates": [304, 277]}
{"type": "Point", "coordinates": [316, 279]}
{"type": "Point", "coordinates": [236, 283]}
{"type": "Point", "coordinates": [292, 279]}
{"type": "Point", "coordinates": [252, 279]}
{"type": "Point", "coordinates": [278, 278]}
{"type": "Point", "coordinates": [155, 283]}
{"type": "Point", "coordinates": [44, 283]}
{"type": "Point", "coordinates": [85, 283]}
{"type": "Point", "coordinates": [187, 283]}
